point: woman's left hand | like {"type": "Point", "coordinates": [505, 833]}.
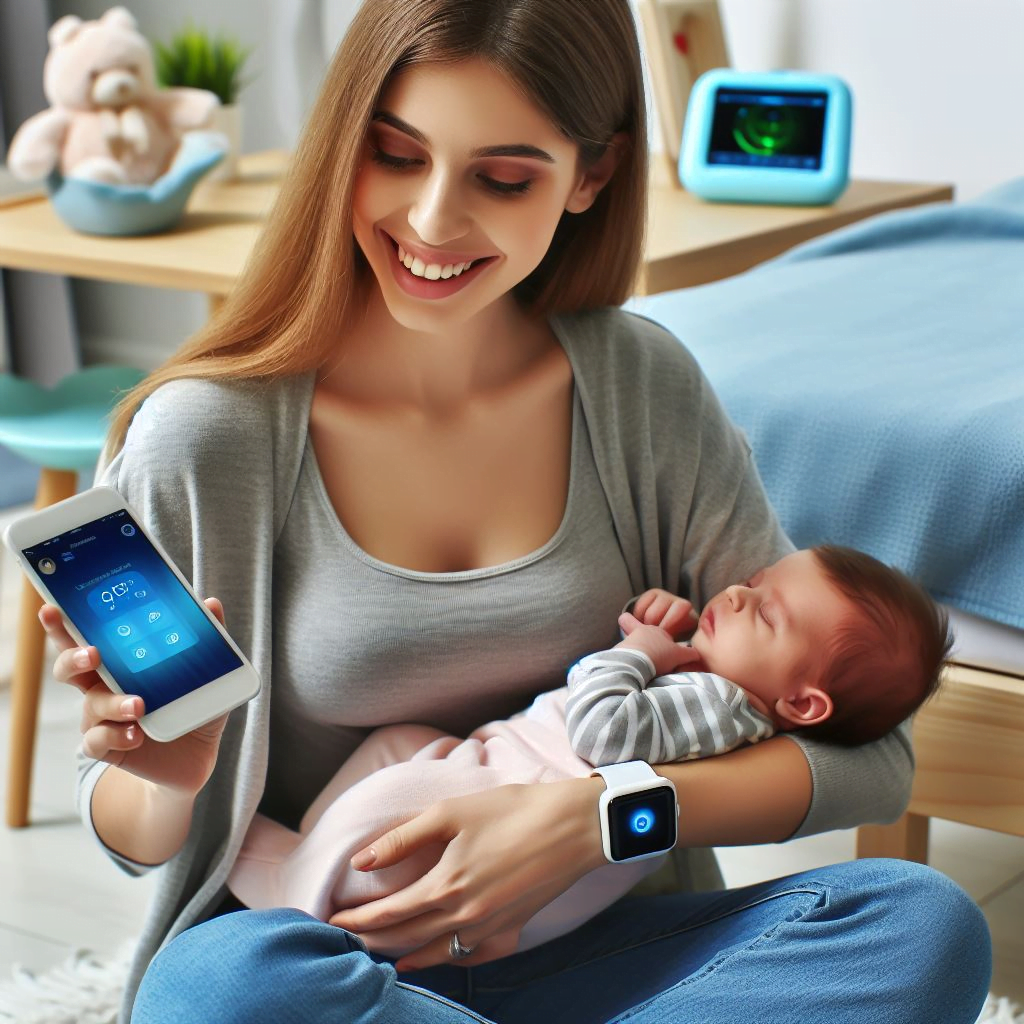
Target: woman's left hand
{"type": "Point", "coordinates": [507, 853]}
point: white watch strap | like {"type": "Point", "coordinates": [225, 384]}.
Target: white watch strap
{"type": "Point", "coordinates": [625, 773]}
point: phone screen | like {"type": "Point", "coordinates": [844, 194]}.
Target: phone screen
{"type": "Point", "coordinates": [124, 599]}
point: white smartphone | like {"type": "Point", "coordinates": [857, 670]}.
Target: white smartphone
{"type": "Point", "coordinates": [119, 592]}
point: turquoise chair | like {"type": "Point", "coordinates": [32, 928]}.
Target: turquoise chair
{"type": "Point", "coordinates": [61, 430]}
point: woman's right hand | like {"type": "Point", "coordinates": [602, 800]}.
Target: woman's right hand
{"type": "Point", "coordinates": [110, 729]}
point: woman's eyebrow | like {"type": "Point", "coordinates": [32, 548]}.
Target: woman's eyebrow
{"type": "Point", "coordinates": [510, 149]}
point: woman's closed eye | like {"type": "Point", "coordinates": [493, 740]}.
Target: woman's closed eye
{"type": "Point", "coordinates": [401, 163]}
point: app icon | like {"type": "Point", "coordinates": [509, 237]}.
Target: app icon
{"type": "Point", "coordinates": [48, 566]}
{"type": "Point", "coordinates": [124, 630]}
{"type": "Point", "coordinates": [172, 638]}
{"type": "Point", "coordinates": [140, 652]}
{"type": "Point", "coordinates": [153, 616]}
{"type": "Point", "coordinates": [67, 556]}
{"type": "Point", "coordinates": [128, 530]}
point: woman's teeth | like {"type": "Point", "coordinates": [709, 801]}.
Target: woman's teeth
{"type": "Point", "coordinates": [431, 271]}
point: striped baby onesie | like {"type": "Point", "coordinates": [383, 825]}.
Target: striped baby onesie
{"type": "Point", "coordinates": [619, 710]}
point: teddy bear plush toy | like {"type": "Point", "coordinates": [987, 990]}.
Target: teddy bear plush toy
{"type": "Point", "coordinates": [108, 121]}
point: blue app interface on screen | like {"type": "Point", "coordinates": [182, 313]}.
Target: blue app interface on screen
{"type": "Point", "coordinates": [117, 590]}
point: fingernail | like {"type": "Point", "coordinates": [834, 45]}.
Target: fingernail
{"type": "Point", "coordinates": [128, 706]}
{"type": "Point", "coordinates": [130, 733]}
{"type": "Point", "coordinates": [364, 859]}
{"type": "Point", "coordinates": [83, 659]}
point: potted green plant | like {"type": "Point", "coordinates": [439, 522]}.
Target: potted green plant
{"type": "Point", "coordinates": [197, 58]}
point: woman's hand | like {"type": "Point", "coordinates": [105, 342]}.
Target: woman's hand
{"type": "Point", "coordinates": [507, 853]}
{"type": "Point", "coordinates": [110, 730]}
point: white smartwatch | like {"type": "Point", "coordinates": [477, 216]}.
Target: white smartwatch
{"type": "Point", "coordinates": [638, 810]}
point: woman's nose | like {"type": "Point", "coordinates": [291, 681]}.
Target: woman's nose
{"type": "Point", "coordinates": [436, 215]}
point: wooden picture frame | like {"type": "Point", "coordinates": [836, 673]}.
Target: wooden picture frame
{"type": "Point", "coordinates": [682, 40]}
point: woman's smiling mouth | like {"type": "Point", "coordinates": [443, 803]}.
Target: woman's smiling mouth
{"type": "Point", "coordinates": [434, 265]}
{"type": "Point", "coordinates": [433, 280]}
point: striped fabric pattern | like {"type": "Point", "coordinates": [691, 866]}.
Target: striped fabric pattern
{"type": "Point", "coordinates": [619, 710]}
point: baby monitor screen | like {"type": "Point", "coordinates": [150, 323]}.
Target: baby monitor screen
{"type": "Point", "coordinates": [768, 128]}
{"type": "Point", "coordinates": [125, 601]}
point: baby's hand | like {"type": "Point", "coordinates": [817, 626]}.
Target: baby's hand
{"type": "Point", "coordinates": [653, 641]}
{"type": "Point", "coordinates": [660, 608]}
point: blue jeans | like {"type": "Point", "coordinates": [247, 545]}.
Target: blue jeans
{"type": "Point", "coordinates": [880, 941]}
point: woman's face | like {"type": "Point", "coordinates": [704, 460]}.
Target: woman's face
{"type": "Point", "coordinates": [459, 168]}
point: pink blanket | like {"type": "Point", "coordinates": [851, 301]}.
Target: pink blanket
{"type": "Point", "coordinates": [396, 773]}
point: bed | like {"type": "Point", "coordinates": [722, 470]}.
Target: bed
{"type": "Point", "coordinates": [879, 375]}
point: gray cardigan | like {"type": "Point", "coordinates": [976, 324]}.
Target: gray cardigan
{"type": "Point", "coordinates": [212, 468]}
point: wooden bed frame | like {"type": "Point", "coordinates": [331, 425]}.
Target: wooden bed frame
{"type": "Point", "coordinates": [969, 744]}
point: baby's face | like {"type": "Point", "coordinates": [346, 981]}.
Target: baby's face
{"type": "Point", "coordinates": [771, 633]}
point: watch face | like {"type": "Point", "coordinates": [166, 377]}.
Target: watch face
{"type": "Point", "coordinates": [640, 823]}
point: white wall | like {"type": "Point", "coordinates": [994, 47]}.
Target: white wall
{"type": "Point", "coordinates": [938, 86]}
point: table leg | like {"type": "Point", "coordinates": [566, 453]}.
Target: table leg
{"type": "Point", "coordinates": [906, 839]}
{"type": "Point", "coordinates": [54, 486]}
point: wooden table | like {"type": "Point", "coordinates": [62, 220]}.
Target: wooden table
{"type": "Point", "coordinates": [689, 241]}
{"type": "Point", "coordinates": [204, 253]}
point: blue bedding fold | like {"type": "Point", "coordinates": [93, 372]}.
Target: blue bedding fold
{"type": "Point", "coordinates": [879, 375]}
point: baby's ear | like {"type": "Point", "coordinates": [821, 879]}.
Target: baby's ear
{"type": "Point", "coordinates": [806, 706]}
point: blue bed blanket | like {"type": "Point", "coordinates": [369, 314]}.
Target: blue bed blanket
{"type": "Point", "coordinates": [879, 375]}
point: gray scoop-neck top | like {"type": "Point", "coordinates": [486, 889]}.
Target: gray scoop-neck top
{"type": "Point", "coordinates": [216, 471]}
{"type": "Point", "coordinates": [398, 645]}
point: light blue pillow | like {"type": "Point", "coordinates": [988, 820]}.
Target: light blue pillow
{"type": "Point", "coordinates": [96, 208]}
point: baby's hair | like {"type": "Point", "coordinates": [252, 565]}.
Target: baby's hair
{"type": "Point", "coordinates": [887, 658]}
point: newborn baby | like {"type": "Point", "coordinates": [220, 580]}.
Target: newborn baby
{"type": "Point", "coordinates": [827, 639]}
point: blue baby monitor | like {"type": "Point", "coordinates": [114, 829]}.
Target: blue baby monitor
{"type": "Point", "coordinates": [767, 137]}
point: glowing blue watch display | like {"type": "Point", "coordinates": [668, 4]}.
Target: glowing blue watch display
{"type": "Point", "coordinates": [638, 811]}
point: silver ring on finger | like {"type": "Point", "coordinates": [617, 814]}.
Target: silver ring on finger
{"type": "Point", "coordinates": [457, 949]}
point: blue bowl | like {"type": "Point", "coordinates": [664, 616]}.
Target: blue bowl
{"type": "Point", "coordinates": [96, 208]}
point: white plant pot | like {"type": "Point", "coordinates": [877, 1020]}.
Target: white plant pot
{"type": "Point", "coordinates": [228, 119]}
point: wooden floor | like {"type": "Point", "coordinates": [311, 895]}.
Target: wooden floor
{"type": "Point", "coordinates": [58, 891]}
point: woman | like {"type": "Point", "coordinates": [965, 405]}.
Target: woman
{"type": "Point", "coordinates": [423, 489]}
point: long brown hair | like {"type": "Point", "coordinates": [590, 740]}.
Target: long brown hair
{"type": "Point", "coordinates": [577, 60]}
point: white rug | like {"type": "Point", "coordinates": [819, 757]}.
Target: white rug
{"type": "Point", "coordinates": [86, 989]}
